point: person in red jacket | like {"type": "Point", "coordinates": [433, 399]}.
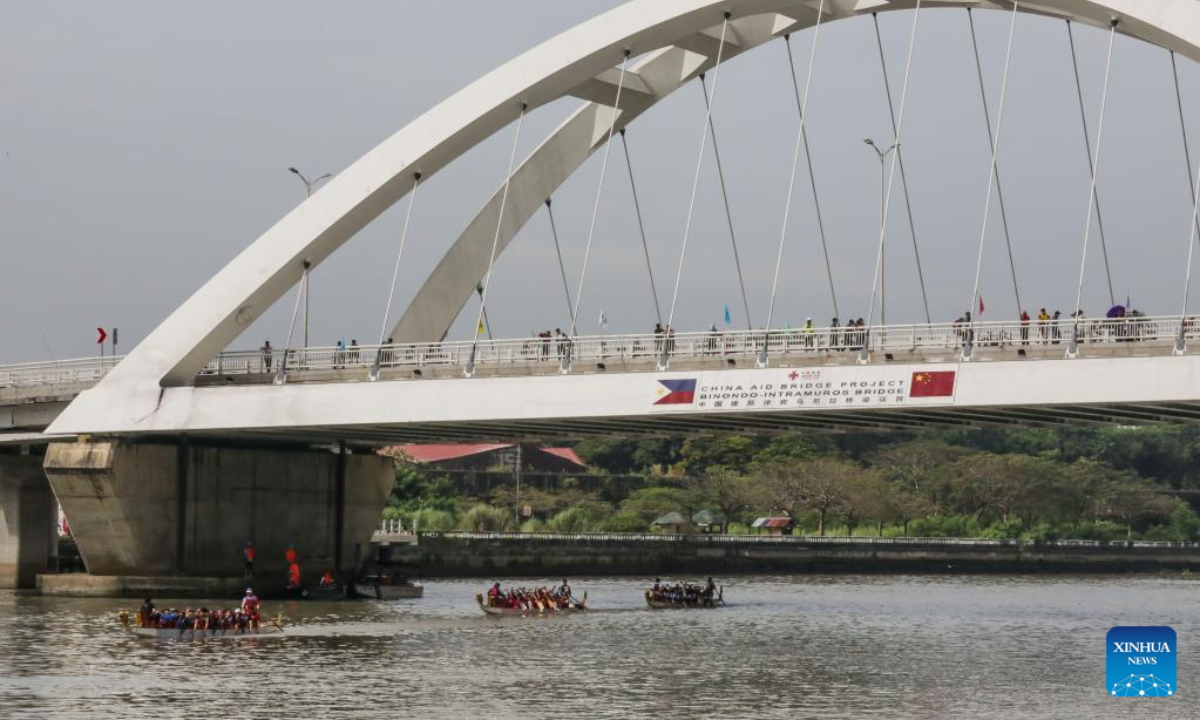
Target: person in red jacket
{"type": "Point", "coordinates": [248, 554]}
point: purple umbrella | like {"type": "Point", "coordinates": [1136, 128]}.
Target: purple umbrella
{"type": "Point", "coordinates": [1116, 311]}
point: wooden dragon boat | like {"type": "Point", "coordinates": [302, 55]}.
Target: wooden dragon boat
{"type": "Point", "coordinates": [540, 610]}
{"type": "Point", "coordinates": [270, 627]}
{"type": "Point", "coordinates": [718, 601]}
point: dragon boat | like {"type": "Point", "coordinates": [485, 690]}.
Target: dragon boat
{"type": "Point", "coordinates": [539, 609]}
{"type": "Point", "coordinates": [270, 627]}
{"type": "Point", "coordinates": [699, 604]}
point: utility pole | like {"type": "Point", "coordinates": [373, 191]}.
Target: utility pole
{"type": "Point", "coordinates": [309, 186]}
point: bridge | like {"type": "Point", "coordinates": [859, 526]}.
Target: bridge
{"type": "Point", "coordinates": [825, 379]}
{"type": "Point", "coordinates": [184, 449]}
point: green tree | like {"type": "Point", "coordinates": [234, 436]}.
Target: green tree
{"type": "Point", "coordinates": [820, 485]}
{"type": "Point", "coordinates": [485, 518]}
{"type": "Point", "coordinates": [649, 504]}
{"type": "Point", "coordinates": [728, 452]}
{"type": "Point", "coordinates": [722, 490]}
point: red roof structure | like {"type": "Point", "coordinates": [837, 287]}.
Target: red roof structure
{"type": "Point", "coordinates": [558, 459]}
{"type": "Point", "coordinates": [566, 454]}
{"type": "Point", "coordinates": [441, 453]}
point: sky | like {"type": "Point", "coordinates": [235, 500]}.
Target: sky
{"type": "Point", "coordinates": [144, 144]}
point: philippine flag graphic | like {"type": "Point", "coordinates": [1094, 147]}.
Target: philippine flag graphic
{"type": "Point", "coordinates": [677, 392]}
{"type": "Point", "coordinates": [932, 384]}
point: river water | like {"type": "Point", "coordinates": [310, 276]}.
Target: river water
{"type": "Point", "coordinates": [825, 647]}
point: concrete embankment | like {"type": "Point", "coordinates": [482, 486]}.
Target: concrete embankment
{"type": "Point", "coordinates": [460, 554]}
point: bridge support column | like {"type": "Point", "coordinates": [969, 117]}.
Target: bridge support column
{"type": "Point", "coordinates": [28, 521]}
{"type": "Point", "coordinates": [189, 509]}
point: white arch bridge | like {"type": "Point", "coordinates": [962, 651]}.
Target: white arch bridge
{"type": "Point", "coordinates": [181, 388]}
{"type": "Point", "coordinates": [179, 380]}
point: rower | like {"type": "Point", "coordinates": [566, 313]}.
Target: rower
{"type": "Point", "coordinates": [250, 607]}
{"type": "Point", "coordinates": [327, 580]}
{"type": "Point", "coordinates": [494, 595]}
{"type": "Point", "coordinates": [146, 613]}
{"type": "Point", "coordinates": [565, 590]}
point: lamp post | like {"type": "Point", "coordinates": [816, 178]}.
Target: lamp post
{"type": "Point", "coordinates": [882, 193]}
{"type": "Point", "coordinates": [309, 185]}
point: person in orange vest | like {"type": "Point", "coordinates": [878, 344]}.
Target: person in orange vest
{"type": "Point", "coordinates": [293, 576]}
{"type": "Point", "coordinates": [248, 554]}
{"type": "Point", "coordinates": [327, 580]}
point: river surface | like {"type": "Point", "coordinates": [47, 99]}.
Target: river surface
{"type": "Point", "coordinates": [798, 647]}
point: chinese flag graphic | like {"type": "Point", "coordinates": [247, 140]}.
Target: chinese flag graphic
{"type": "Point", "coordinates": [932, 384]}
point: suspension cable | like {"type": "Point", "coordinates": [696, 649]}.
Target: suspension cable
{"type": "Point", "coordinates": [1087, 143]}
{"type": "Point", "coordinates": [801, 106]}
{"type": "Point", "coordinates": [637, 206]}
{"type": "Point", "coordinates": [993, 175]}
{"type": "Point", "coordinates": [1187, 282]}
{"type": "Point", "coordinates": [558, 251]}
{"type": "Point", "coordinates": [487, 284]}
{"type": "Point", "coordinates": [412, 201]}
{"type": "Point", "coordinates": [1087, 231]}
{"type": "Point", "coordinates": [587, 251]}
{"type": "Point", "coordinates": [887, 196]}
{"type": "Point", "coordinates": [912, 225]}
{"type": "Point", "coordinates": [1187, 153]}
{"type": "Point", "coordinates": [687, 231]}
{"type": "Point", "coordinates": [987, 117]}
{"type": "Point", "coordinates": [737, 261]}
{"type": "Point", "coordinates": [301, 291]}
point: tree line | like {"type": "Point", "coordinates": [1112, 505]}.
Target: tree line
{"type": "Point", "coordinates": [1104, 483]}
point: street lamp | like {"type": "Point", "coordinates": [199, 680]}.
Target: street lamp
{"type": "Point", "coordinates": [309, 185]}
{"type": "Point", "coordinates": [882, 192]}
{"type": "Point", "coordinates": [308, 189]}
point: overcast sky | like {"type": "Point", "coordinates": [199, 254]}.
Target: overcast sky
{"type": "Point", "coordinates": [144, 144]}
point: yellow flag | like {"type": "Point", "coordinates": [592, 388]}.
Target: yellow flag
{"type": "Point", "coordinates": [480, 329]}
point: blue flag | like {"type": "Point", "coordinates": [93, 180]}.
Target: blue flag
{"type": "Point", "coordinates": [728, 319]}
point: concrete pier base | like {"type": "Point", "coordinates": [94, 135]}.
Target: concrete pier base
{"type": "Point", "coordinates": [160, 587]}
{"type": "Point", "coordinates": [28, 521]}
{"type": "Point", "coordinates": [186, 509]}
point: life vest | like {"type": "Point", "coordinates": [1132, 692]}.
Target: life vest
{"type": "Point", "coordinates": [249, 554]}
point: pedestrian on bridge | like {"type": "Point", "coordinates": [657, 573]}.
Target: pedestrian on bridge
{"type": "Point", "coordinates": [267, 353]}
{"type": "Point", "coordinates": [1024, 327]}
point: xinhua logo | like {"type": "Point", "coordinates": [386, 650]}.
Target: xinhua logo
{"type": "Point", "coordinates": [1141, 661]}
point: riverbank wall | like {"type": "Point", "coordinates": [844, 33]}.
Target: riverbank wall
{"type": "Point", "coordinates": [488, 555]}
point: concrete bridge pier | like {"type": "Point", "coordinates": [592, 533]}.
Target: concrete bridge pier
{"type": "Point", "coordinates": [187, 509]}
{"type": "Point", "coordinates": [28, 521]}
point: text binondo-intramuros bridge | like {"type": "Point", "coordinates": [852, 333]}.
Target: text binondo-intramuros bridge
{"type": "Point", "coordinates": [187, 440]}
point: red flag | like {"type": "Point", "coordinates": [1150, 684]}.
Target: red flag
{"type": "Point", "coordinates": [932, 384]}
{"type": "Point", "coordinates": [980, 304]}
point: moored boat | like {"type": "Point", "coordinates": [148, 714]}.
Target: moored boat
{"type": "Point", "coordinates": [539, 608]}
{"type": "Point", "coordinates": [317, 593]}
{"type": "Point", "coordinates": [270, 627]}
{"type": "Point", "coordinates": [387, 591]}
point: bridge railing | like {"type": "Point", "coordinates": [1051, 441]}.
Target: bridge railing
{"type": "Point", "coordinates": [57, 372]}
{"type": "Point", "coordinates": [743, 345]}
